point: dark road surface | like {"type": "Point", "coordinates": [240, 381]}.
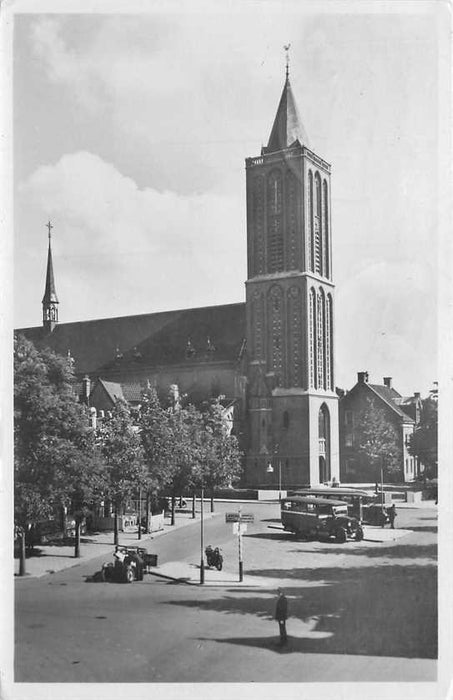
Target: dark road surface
{"type": "Point", "coordinates": [70, 630]}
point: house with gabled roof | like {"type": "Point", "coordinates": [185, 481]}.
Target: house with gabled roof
{"type": "Point", "coordinates": [403, 413]}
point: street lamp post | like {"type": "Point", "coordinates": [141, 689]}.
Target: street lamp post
{"type": "Point", "coordinates": [201, 539]}
{"type": "Point", "coordinates": [270, 470]}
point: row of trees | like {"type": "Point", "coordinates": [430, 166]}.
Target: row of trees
{"type": "Point", "coordinates": [61, 462]}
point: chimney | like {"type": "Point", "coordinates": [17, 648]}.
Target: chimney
{"type": "Point", "coordinates": [416, 395]}
{"type": "Point", "coordinates": [388, 382]}
{"type": "Point", "coordinates": [362, 377]}
{"type": "Point", "coordinates": [86, 386]}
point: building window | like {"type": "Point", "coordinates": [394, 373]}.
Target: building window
{"type": "Point", "coordinates": [325, 230]}
{"type": "Point", "coordinates": [312, 319]}
{"type": "Point", "coordinates": [317, 226]}
{"type": "Point", "coordinates": [320, 341]}
{"type": "Point", "coordinates": [274, 224]}
{"type": "Point", "coordinates": [348, 440]}
{"type": "Point", "coordinates": [349, 418]}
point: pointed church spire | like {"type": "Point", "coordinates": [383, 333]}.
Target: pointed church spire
{"type": "Point", "coordinates": [49, 300]}
{"type": "Point", "coordinates": [287, 127]}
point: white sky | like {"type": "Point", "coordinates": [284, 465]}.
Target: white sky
{"type": "Point", "coordinates": [130, 133]}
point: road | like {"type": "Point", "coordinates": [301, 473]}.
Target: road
{"type": "Point", "coordinates": [359, 611]}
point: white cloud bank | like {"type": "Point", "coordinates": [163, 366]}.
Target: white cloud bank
{"type": "Point", "coordinates": [113, 239]}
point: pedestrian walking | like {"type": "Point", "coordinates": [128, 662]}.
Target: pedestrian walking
{"type": "Point", "coordinates": [392, 515]}
{"type": "Point", "coordinates": [281, 615]}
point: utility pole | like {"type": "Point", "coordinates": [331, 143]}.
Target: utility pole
{"type": "Point", "coordinates": [202, 539]}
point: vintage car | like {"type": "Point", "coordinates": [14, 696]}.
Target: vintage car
{"type": "Point", "coordinates": [319, 518]}
{"type": "Point", "coordinates": [375, 513]}
{"type": "Point", "coordinates": [130, 564]}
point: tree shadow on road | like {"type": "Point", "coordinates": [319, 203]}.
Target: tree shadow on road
{"type": "Point", "coordinates": [374, 611]}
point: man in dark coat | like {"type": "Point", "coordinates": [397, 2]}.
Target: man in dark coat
{"type": "Point", "coordinates": [281, 615]}
{"type": "Point", "coordinates": [392, 515]}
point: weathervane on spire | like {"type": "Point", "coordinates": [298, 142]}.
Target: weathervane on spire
{"type": "Point", "coordinates": [49, 227]}
{"type": "Point", "coordinates": [287, 48]}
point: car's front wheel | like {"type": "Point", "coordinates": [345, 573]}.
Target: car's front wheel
{"type": "Point", "coordinates": [359, 534]}
{"type": "Point", "coordinates": [129, 575]}
{"type": "Point", "coordinates": [341, 535]}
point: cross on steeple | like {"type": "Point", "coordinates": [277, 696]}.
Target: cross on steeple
{"type": "Point", "coordinates": [287, 48]}
{"type": "Point", "coordinates": [49, 227]}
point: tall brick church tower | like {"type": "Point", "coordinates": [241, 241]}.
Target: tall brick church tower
{"type": "Point", "coordinates": [292, 404]}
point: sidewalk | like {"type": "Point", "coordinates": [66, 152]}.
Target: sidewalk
{"type": "Point", "coordinates": [53, 558]}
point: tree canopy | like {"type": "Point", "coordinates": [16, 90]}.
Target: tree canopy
{"type": "Point", "coordinates": [378, 440]}
{"type": "Point", "coordinates": [423, 442]}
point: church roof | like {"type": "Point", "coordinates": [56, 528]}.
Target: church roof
{"type": "Point", "coordinates": [50, 294]}
{"type": "Point", "coordinates": [147, 339]}
{"type": "Point", "coordinates": [288, 128]}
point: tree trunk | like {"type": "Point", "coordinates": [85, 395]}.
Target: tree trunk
{"type": "Point", "coordinates": [212, 499]}
{"type": "Point", "coordinates": [147, 511]}
{"type": "Point", "coordinates": [77, 539]}
{"type": "Point", "coordinates": [115, 526]}
{"type": "Point", "coordinates": [64, 521]}
{"type": "Point", "coordinates": [22, 569]}
{"type": "Point", "coordinates": [173, 503]}
{"type": "Point", "coordinates": [193, 504]}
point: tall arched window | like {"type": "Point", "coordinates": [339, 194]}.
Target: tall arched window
{"type": "Point", "coordinates": [318, 226]}
{"type": "Point", "coordinates": [275, 302]}
{"type": "Point", "coordinates": [320, 312]}
{"type": "Point", "coordinates": [312, 339]}
{"type": "Point", "coordinates": [325, 229]}
{"type": "Point", "coordinates": [324, 443]}
{"type": "Point", "coordinates": [258, 262]}
{"type": "Point", "coordinates": [310, 241]}
{"type": "Point", "coordinates": [274, 222]}
{"type": "Point", "coordinates": [329, 353]}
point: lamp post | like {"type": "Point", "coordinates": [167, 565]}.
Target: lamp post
{"type": "Point", "coordinates": [270, 470]}
{"type": "Point", "coordinates": [140, 513]}
{"type": "Point", "coordinates": [201, 539]}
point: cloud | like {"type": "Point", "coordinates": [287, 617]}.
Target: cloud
{"type": "Point", "coordinates": [136, 243]}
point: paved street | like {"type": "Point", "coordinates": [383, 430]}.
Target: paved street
{"type": "Point", "coordinates": [358, 612]}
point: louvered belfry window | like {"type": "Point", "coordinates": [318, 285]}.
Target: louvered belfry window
{"type": "Point", "coordinates": [274, 223]}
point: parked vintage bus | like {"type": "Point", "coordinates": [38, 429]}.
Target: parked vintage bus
{"type": "Point", "coordinates": [321, 518]}
{"type": "Point", "coordinates": [355, 498]}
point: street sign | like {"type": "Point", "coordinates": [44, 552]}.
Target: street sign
{"type": "Point", "coordinates": [236, 517]}
{"type": "Point", "coordinates": [231, 517]}
{"type": "Point", "coordinates": [247, 518]}
{"type": "Point", "coordinates": [237, 531]}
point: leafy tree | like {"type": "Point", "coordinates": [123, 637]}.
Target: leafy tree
{"type": "Point", "coordinates": [423, 442]}
{"type": "Point", "coordinates": [378, 439]}
{"type": "Point", "coordinates": [121, 449]}
{"type": "Point", "coordinates": [53, 442]}
{"type": "Point", "coordinates": [221, 456]}
{"type": "Point", "coordinates": [156, 439]}
{"type": "Point", "coordinates": [186, 426]}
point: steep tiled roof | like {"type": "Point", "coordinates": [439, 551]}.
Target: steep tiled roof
{"type": "Point", "coordinates": [154, 339]}
{"type": "Point", "coordinates": [389, 395]}
{"type": "Point", "coordinates": [113, 389]}
{"type": "Point", "coordinates": [287, 128]}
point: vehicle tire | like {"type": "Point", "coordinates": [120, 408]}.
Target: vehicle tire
{"type": "Point", "coordinates": [341, 535]}
{"type": "Point", "coordinates": [219, 565]}
{"type": "Point", "coordinates": [359, 534]}
{"type": "Point", "coordinates": [129, 575]}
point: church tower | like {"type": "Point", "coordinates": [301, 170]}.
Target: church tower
{"type": "Point", "coordinates": [49, 300]}
{"type": "Point", "coordinates": [292, 404]}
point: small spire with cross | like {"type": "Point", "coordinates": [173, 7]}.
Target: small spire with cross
{"type": "Point", "coordinates": [287, 48]}
{"type": "Point", "coordinates": [49, 227]}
